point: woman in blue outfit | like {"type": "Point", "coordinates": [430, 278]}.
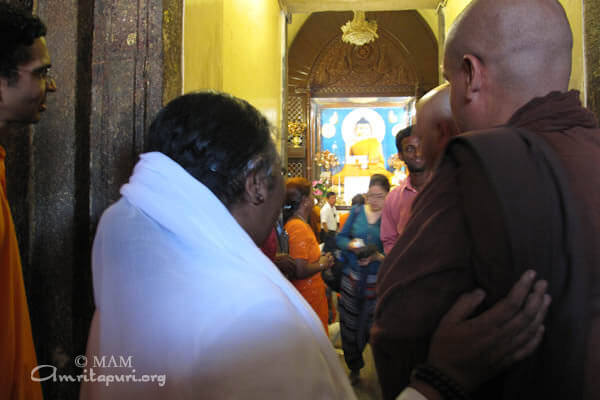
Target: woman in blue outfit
{"type": "Point", "coordinates": [362, 251]}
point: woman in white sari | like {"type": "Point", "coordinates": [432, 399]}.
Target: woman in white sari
{"type": "Point", "coordinates": [179, 282]}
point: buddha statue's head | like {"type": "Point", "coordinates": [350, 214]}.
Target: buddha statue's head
{"type": "Point", "coordinates": [362, 129]}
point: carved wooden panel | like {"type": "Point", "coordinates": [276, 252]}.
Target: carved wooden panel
{"type": "Point", "coordinates": [378, 67]}
{"type": "Point", "coordinates": [295, 168]}
{"type": "Point", "coordinates": [296, 109]}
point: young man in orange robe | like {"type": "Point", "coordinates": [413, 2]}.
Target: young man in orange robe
{"type": "Point", "coordinates": [24, 83]}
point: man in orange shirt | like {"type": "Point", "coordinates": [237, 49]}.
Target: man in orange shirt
{"type": "Point", "coordinates": [24, 83]}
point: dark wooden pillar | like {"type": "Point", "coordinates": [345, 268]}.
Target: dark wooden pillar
{"type": "Point", "coordinates": [58, 269]}
{"type": "Point", "coordinates": [592, 53]}
{"type": "Point", "coordinates": [115, 63]}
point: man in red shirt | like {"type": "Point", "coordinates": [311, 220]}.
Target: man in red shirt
{"type": "Point", "coordinates": [399, 201]}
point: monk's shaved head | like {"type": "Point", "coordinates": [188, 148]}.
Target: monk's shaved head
{"type": "Point", "coordinates": [435, 125]}
{"type": "Point", "coordinates": [523, 48]}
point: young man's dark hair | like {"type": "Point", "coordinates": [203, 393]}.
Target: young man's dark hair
{"type": "Point", "coordinates": [18, 30]}
{"type": "Point", "coordinates": [329, 194]}
{"type": "Point", "coordinates": [401, 135]}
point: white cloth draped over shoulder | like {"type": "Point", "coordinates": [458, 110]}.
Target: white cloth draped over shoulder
{"type": "Point", "coordinates": [183, 290]}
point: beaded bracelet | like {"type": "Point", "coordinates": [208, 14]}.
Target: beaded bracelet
{"type": "Point", "coordinates": [445, 385]}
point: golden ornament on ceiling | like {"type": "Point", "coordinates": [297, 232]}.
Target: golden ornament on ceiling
{"type": "Point", "coordinates": [359, 31]}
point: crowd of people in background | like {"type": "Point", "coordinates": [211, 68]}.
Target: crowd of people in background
{"type": "Point", "coordinates": [360, 237]}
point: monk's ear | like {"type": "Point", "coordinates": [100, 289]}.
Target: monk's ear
{"type": "Point", "coordinates": [448, 129]}
{"type": "Point", "coordinates": [473, 74]}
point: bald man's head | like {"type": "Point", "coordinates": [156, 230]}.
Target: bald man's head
{"type": "Point", "coordinates": [435, 125]}
{"type": "Point", "coordinates": [500, 54]}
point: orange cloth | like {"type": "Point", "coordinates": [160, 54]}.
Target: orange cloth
{"type": "Point", "coordinates": [343, 218]}
{"type": "Point", "coordinates": [303, 244]}
{"type": "Point", "coordinates": [17, 354]}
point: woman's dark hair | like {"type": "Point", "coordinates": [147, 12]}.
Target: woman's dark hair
{"type": "Point", "coordinates": [296, 190]}
{"type": "Point", "coordinates": [218, 139]}
{"type": "Point", "coordinates": [381, 180]}
{"type": "Point", "coordinates": [18, 29]}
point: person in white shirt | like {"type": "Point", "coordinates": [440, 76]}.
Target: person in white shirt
{"type": "Point", "coordinates": [329, 222]}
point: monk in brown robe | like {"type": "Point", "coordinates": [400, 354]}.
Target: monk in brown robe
{"type": "Point", "coordinates": [435, 125]}
{"type": "Point", "coordinates": [508, 63]}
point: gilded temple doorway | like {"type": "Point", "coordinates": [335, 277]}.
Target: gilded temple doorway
{"type": "Point", "coordinates": [375, 83]}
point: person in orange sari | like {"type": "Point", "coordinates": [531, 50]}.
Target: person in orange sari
{"type": "Point", "coordinates": [24, 84]}
{"type": "Point", "coordinates": [304, 248]}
